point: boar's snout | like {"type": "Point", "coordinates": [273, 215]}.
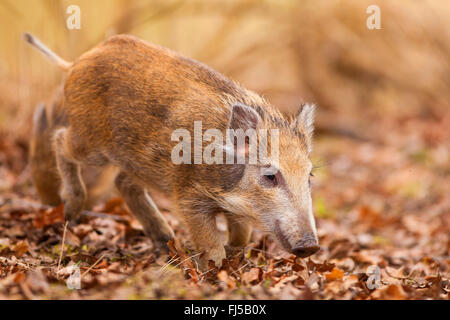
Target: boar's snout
{"type": "Point", "coordinates": [304, 252]}
{"type": "Point", "coordinates": [306, 247]}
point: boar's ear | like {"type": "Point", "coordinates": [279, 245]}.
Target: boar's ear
{"type": "Point", "coordinates": [304, 122]}
{"type": "Point", "coordinates": [40, 122]}
{"type": "Point", "coordinates": [243, 117]}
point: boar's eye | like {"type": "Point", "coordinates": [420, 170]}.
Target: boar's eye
{"type": "Point", "coordinates": [271, 178]}
{"type": "Point", "coordinates": [309, 178]}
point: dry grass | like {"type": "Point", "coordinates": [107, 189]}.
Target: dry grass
{"type": "Point", "coordinates": [318, 51]}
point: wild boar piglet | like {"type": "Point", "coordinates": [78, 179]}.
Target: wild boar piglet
{"type": "Point", "coordinates": [132, 104]}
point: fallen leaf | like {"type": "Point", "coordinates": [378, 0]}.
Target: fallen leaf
{"type": "Point", "coordinates": [390, 292]}
{"type": "Point", "coordinates": [21, 248]}
{"type": "Point", "coordinates": [49, 216]}
{"type": "Point", "coordinates": [335, 274]}
{"type": "Point", "coordinates": [252, 276]}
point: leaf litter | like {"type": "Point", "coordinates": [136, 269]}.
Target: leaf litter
{"type": "Point", "coordinates": [376, 208]}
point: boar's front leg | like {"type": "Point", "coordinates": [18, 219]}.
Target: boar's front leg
{"type": "Point", "coordinates": [145, 210]}
{"type": "Point", "coordinates": [239, 232]}
{"type": "Point", "coordinates": [204, 234]}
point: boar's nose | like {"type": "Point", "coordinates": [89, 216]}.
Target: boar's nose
{"type": "Point", "coordinates": [304, 252]}
{"type": "Point", "coordinates": [307, 246]}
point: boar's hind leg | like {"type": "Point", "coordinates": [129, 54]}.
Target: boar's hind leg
{"type": "Point", "coordinates": [145, 210]}
{"type": "Point", "coordinates": [73, 190]}
{"type": "Point", "coordinates": [44, 173]}
{"type": "Point", "coordinates": [239, 232]}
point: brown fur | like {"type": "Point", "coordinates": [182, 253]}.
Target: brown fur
{"type": "Point", "coordinates": [125, 97]}
{"type": "Point", "coordinates": [47, 119]}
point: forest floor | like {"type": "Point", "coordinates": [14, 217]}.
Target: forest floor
{"type": "Point", "coordinates": [383, 216]}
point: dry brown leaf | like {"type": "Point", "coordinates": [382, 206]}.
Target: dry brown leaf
{"type": "Point", "coordinates": [335, 274]}
{"type": "Point", "coordinates": [224, 277]}
{"type": "Point", "coordinates": [49, 216]}
{"type": "Point", "coordinates": [112, 205]}
{"type": "Point", "coordinates": [19, 277]}
{"type": "Point", "coordinates": [321, 267]}
{"type": "Point", "coordinates": [252, 276]}
{"type": "Point", "coordinates": [21, 248]}
{"type": "Point", "coordinates": [390, 292]}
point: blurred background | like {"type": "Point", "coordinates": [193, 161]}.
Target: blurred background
{"type": "Point", "coordinates": [289, 51]}
{"type": "Point", "coordinates": [385, 91]}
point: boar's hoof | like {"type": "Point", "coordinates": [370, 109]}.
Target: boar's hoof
{"type": "Point", "coordinates": [304, 252]}
{"type": "Point", "coordinates": [160, 246]}
{"type": "Point", "coordinates": [72, 210]}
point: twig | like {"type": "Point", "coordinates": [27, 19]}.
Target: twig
{"type": "Point", "coordinates": [264, 248]}
{"type": "Point", "coordinates": [103, 215]}
{"type": "Point", "coordinates": [62, 245]}
{"type": "Point", "coordinates": [263, 251]}
{"type": "Point", "coordinates": [193, 256]}
{"type": "Point", "coordinates": [90, 268]}
{"type": "Point", "coordinates": [17, 262]}
{"type": "Point", "coordinates": [168, 263]}
{"type": "Point", "coordinates": [205, 273]}
{"type": "Point", "coordinates": [235, 272]}
{"type": "Point", "coordinates": [23, 204]}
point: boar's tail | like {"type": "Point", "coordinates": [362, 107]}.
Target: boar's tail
{"type": "Point", "coordinates": [35, 42]}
